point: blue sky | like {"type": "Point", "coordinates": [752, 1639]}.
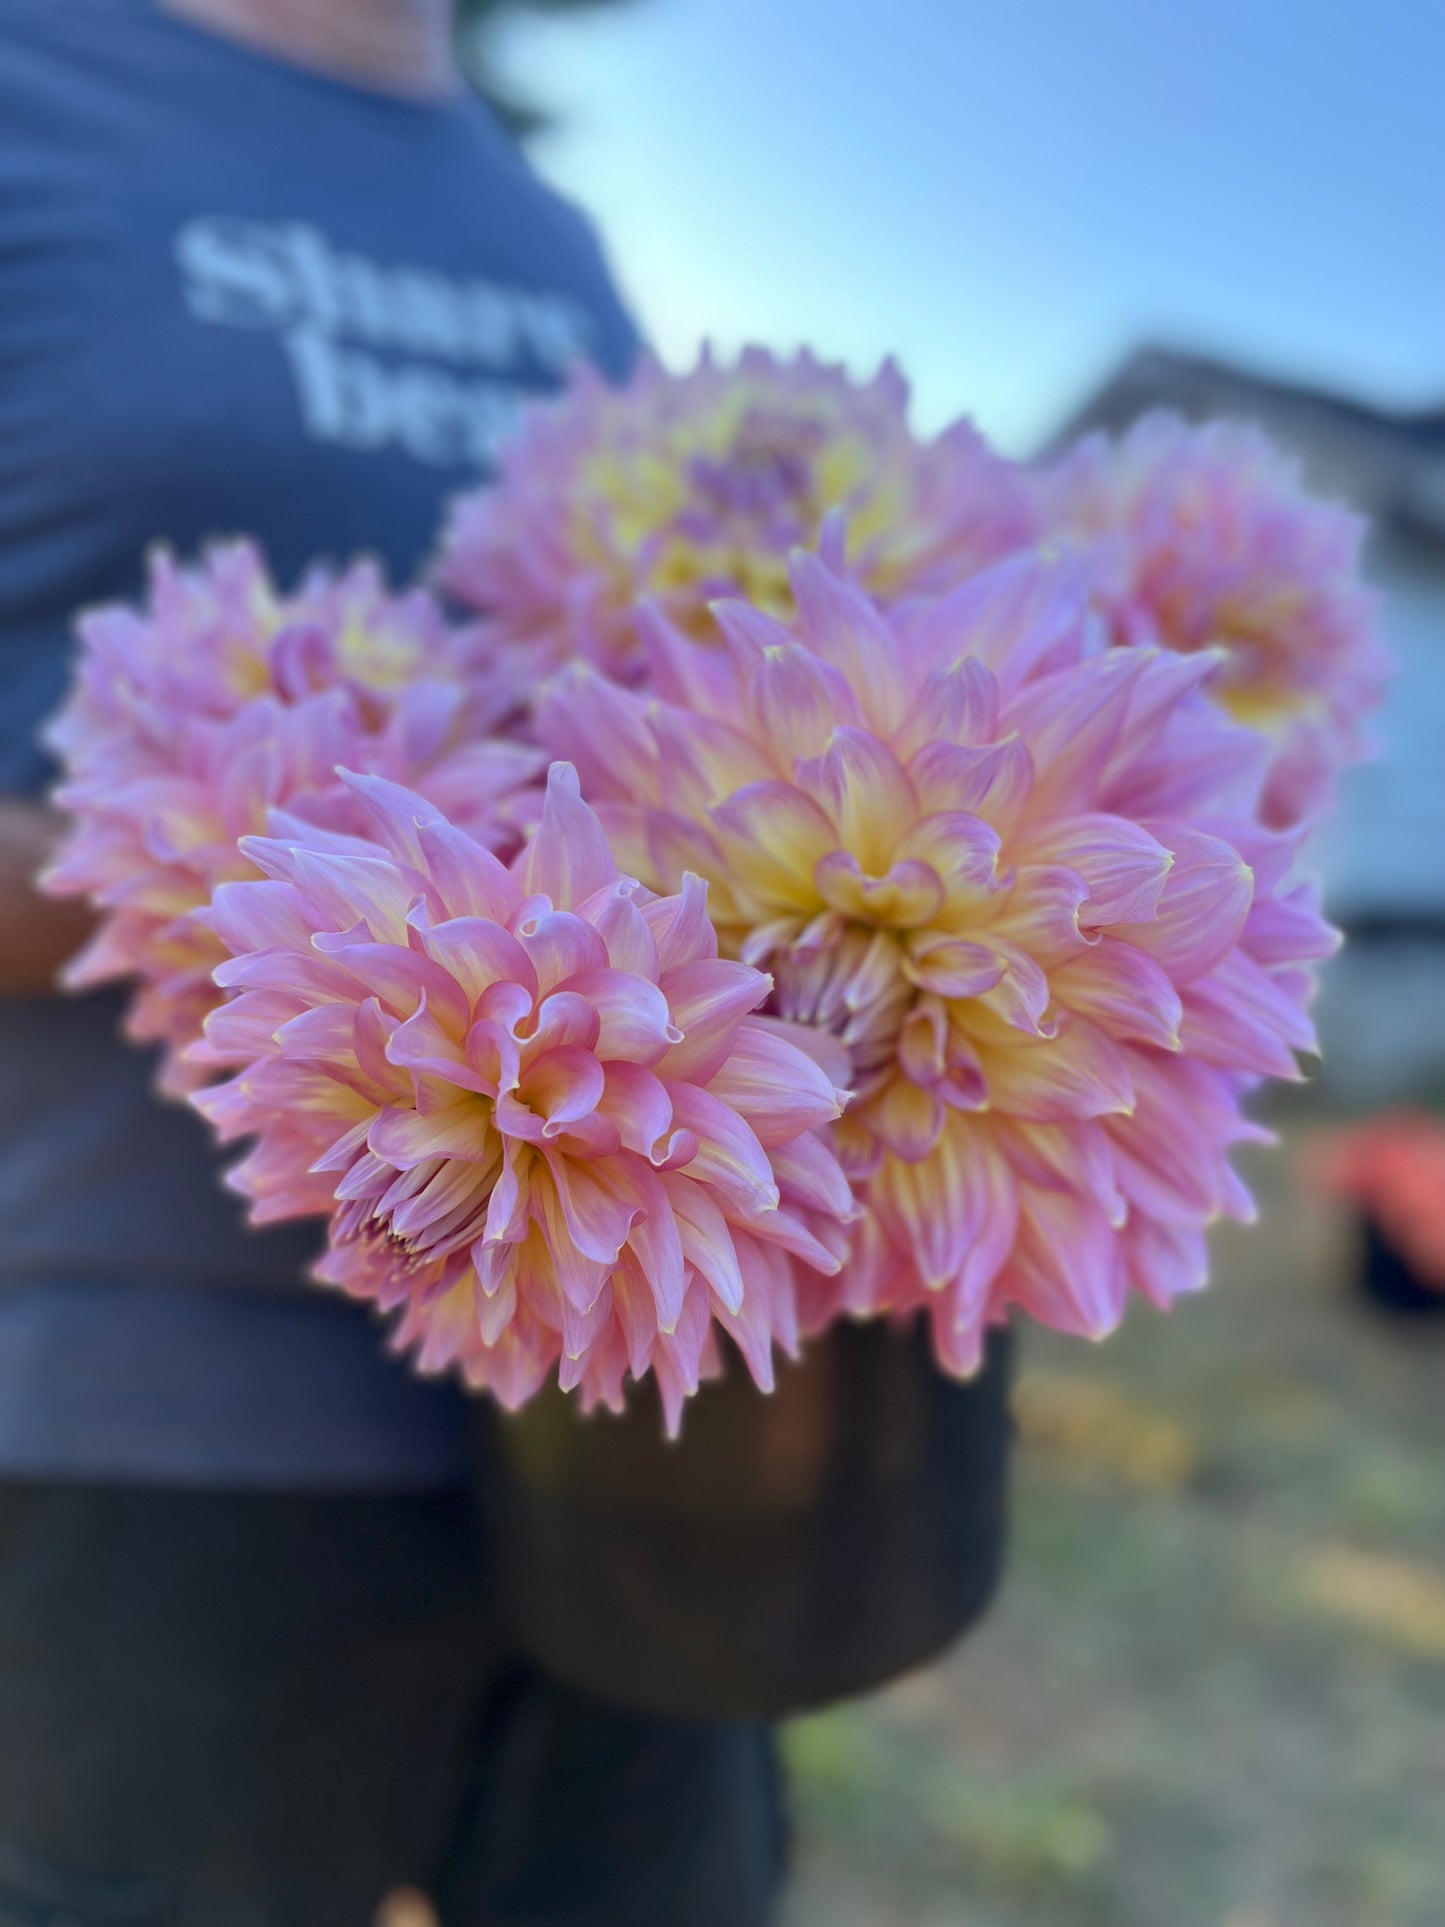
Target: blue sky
{"type": "Point", "coordinates": [1009, 193]}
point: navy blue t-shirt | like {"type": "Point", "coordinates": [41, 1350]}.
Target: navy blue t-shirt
{"type": "Point", "coordinates": [235, 296]}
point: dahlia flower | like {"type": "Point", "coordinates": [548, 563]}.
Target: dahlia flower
{"type": "Point", "coordinates": [534, 1101]}
{"type": "Point", "coordinates": [222, 698]}
{"type": "Point", "coordinates": [688, 487]}
{"type": "Point", "coordinates": [1203, 538]}
{"type": "Point", "coordinates": [1019, 877]}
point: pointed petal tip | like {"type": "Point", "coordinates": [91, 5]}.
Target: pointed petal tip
{"type": "Point", "coordinates": [562, 776]}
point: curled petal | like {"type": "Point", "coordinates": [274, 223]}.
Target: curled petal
{"type": "Point", "coordinates": [635, 1024]}
{"type": "Point", "coordinates": [478, 953]}
{"type": "Point", "coordinates": [1202, 907]}
{"type": "Point", "coordinates": [909, 1119]}
{"type": "Point", "coordinates": [908, 896]}
{"type": "Point", "coordinates": [708, 1002]}
{"type": "Point", "coordinates": [561, 1086]}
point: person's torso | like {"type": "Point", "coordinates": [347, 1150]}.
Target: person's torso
{"type": "Point", "coordinates": [234, 297]}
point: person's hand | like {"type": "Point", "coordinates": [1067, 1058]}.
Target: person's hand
{"type": "Point", "coordinates": [37, 933]}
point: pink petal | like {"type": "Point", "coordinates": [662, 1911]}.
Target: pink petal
{"type": "Point", "coordinates": [580, 1273]}
{"type": "Point", "coordinates": [568, 859]}
{"type": "Point", "coordinates": [707, 1241]}
{"type": "Point", "coordinates": [707, 1002]}
{"type": "Point", "coordinates": [596, 1218]}
{"type": "Point", "coordinates": [468, 878]}
{"type": "Point", "coordinates": [1067, 1270]}
{"type": "Point", "coordinates": [953, 966]}
{"type": "Point", "coordinates": [637, 1102]}
{"type": "Point", "coordinates": [628, 937]}
{"type": "Point", "coordinates": [655, 1242]}
{"type": "Point", "coordinates": [956, 705]}
{"type": "Point", "coordinates": [842, 626]}
{"type": "Point", "coordinates": [1124, 867]}
{"type": "Point", "coordinates": [774, 837]}
{"type": "Point", "coordinates": [955, 1213]}
{"type": "Point", "coordinates": [772, 1085]}
{"type": "Point", "coordinates": [864, 790]}
{"type": "Point", "coordinates": [1123, 990]}
{"type": "Point", "coordinates": [401, 978]}
{"type": "Point", "coordinates": [1202, 907]}
{"type": "Point", "coordinates": [794, 700]}
{"type": "Point", "coordinates": [993, 782]}
{"type": "Point", "coordinates": [908, 1118]}
{"type": "Point", "coordinates": [404, 1138]}
{"type": "Point", "coordinates": [729, 1156]}
{"type": "Point", "coordinates": [681, 925]}
{"type": "Point", "coordinates": [1239, 1017]}
{"type": "Point", "coordinates": [635, 1023]}
{"type": "Point", "coordinates": [561, 1086]}
{"type": "Point", "coordinates": [1078, 1073]}
{"type": "Point", "coordinates": [810, 1176]}
{"type": "Point", "coordinates": [477, 953]}
{"type": "Point", "coordinates": [566, 1019]}
{"type": "Point", "coordinates": [561, 946]}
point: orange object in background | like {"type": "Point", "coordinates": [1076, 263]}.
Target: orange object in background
{"type": "Point", "coordinates": [1393, 1168]}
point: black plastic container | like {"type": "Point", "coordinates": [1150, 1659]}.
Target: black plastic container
{"type": "Point", "coordinates": [1388, 1282]}
{"type": "Point", "coordinates": [785, 1552]}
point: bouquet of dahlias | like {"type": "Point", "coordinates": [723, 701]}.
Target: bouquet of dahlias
{"type": "Point", "coordinates": [911, 911]}
{"type": "Point", "coordinates": [221, 700]}
{"type": "Point", "coordinates": [1201, 538]}
{"type": "Point", "coordinates": [552, 1131]}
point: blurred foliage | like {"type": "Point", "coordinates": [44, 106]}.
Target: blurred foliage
{"type": "Point", "coordinates": [479, 24]}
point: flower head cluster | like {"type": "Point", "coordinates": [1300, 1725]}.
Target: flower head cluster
{"type": "Point", "coordinates": [1019, 877]}
{"type": "Point", "coordinates": [534, 1102]}
{"type": "Point", "coordinates": [220, 699]}
{"type": "Point", "coordinates": [1202, 538]}
{"type": "Point", "coordinates": [686, 488]}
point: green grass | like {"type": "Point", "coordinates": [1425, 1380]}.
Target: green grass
{"type": "Point", "coordinates": [1213, 1691]}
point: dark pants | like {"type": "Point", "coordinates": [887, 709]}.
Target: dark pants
{"type": "Point", "coordinates": [265, 1710]}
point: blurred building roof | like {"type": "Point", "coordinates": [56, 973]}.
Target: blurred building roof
{"type": "Point", "coordinates": [1390, 465]}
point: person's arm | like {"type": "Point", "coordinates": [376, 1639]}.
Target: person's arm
{"type": "Point", "coordinates": [37, 933]}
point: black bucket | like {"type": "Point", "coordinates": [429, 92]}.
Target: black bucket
{"type": "Point", "coordinates": [1389, 1283]}
{"type": "Point", "coordinates": [786, 1551]}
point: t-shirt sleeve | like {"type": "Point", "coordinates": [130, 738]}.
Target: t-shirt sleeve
{"type": "Point", "coordinates": [616, 340]}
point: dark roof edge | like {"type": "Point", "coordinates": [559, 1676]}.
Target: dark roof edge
{"type": "Point", "coordinates": [1395, 460]}
{"type": "Point", "coordinates": [1155, 362]}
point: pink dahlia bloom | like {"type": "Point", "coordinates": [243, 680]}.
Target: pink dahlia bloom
{"type": "Point", "coordinates": [688, 487]}
{"type": "Point", "coordinates": [1019, 877]}
{"type": "Point", "coordinates": [221, 699]}
{"type": "Point", "coordinates": [1203, 538]}
{"type": "Point", "coordinates": [533, 1101]}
